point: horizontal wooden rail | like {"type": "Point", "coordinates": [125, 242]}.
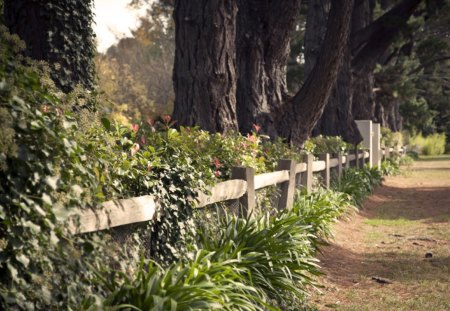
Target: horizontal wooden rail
{"type": "Point", "coordinates": [334, 162]}
{"type": "Point", "coordinates": [318, 166]}
{"type": "Point", "coordinates": [270, 179]}
{"type": "Point", "coordinates": [113, 214]}
{"type": "Point", "coordinates": [300, 168]}
{"type": "Point", "coordinates": [223, 191]}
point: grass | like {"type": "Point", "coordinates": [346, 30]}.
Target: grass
{"type": "Point", "coordinates": [401, 222]}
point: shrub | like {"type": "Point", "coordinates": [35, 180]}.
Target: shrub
{"type": "Point", "coordinates": [328, 144]}
{"type": "Point", "coordinates": [433, 144]}
{"type": "Point", "coordinates": [391, 139]}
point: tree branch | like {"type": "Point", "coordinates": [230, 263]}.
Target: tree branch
{"type": "Point", "coordinates": [369, 44]}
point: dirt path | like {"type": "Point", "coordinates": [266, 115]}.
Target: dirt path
{"type": "Point", "coordinates": [402, 237]}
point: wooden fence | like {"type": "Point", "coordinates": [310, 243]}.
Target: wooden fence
{"type": "Point", "coordinates": [242, 186]}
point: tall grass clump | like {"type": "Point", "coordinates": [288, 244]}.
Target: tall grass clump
{"type": "Point", "coordinates": [433, 144]}
{"type": "Point", "coordinates": [321, 208]}
{"type": "Point", "coordinates": [274, 253]}
{"type": "Point", "coordinates": [358, 183]}
{"type": "Point", "coordinates": [201, 283]}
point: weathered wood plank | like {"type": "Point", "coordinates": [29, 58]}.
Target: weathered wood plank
{"type": "Point", "coordinates": [318, 166]}
{"type": "Point", "coordinates": [113, 214]}
{"type": "Point", "coordinates": [300, 168]}
{"type": "Point", "coordinates": [334, 162]}
{"type": "Point", "coordinates": [269, 179]}
{"type": "Point", "coordinates": [223, 191]}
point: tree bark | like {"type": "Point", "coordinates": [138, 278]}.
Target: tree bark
{"type": "Point", "coordinates": [363, 106]}
{"type": "Point", "coordinates": [58, 32]}
{"type": "Point", "coordinates": [301, 114]}
{"type": "Point", "coordinates": [262, 48]}
{"type": "Point", "coordinates": [337, 118]}
{"type": "Point", "coordinates": [205, 64]}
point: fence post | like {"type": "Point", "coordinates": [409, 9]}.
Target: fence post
{"type": "Point", "coordinates": [307, 176]}
{"type": "Point", "coordinates": [287, 188]}
{"type": "Point", "coordinates": [326, 172]}
{"type": "Point", "coordinates": [365, 128]}
{"type": "Point", "coordinates": [347, 160]}
{"type": "Point", "coordinates": [376, 154]}
{"type": "Point", "coordinates": [339, 167]}
{"type": "Point", "coordinates": [356, 151]}
{"type": "Point", "coordinates": [247, 201]}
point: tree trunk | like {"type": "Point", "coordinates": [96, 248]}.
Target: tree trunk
{"type": "Point", "coordinates": [58, 32]}
{"type": "Point", "coordinates": [337, 118]}
{"type": "Point", "coordinates": [205, 64]}
{"type": "Point", "coordinates": [301, 114]}
{"type": "Point", "coordinates": [262, 49]}
{"type": "Point", "coordinates": [363, 107]}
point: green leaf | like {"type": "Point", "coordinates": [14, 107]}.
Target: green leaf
{"type": "Point", "coordinates": [106, 123]}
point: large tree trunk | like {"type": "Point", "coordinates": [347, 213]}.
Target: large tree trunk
{"type": "Point", "coordinates": [363, 106]}
{"type": "Point", "coordinates": [337, 118]}
{"type": "Point", "coordinates": [262, 49]}
{"type": "Point", "coordinates": [205, 64]}
{"type": "Point", "coordinates": [58, 32]}
{"type": "Point", "coordinates": [301, 114]}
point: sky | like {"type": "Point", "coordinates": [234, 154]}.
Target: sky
{"type": "Point", "coordinates": [114, 20]}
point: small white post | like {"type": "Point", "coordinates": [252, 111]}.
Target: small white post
{"type": "Point", "coordinates": [376, 144]}
{"type": "Point", "coordinates": [365, 128]}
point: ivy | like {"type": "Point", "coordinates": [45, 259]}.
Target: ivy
{"type": "Point", "coordinates": [63, 36]}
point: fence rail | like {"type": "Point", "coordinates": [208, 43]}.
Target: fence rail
{"type": "Point", "coordinates": [242, 187]}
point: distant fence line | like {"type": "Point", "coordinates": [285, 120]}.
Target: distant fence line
{"type": "Point", "coordinates": [243, 185]}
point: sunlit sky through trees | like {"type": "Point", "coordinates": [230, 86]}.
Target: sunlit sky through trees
{"type": "Point", "coordinates": [115, 19]}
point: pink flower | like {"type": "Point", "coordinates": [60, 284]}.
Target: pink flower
{"type": "Point", "coordinates": [45, 109]}
{"type": "Point", "coordinates": [143, 140]}
{"type": "Point", "coordinates": [134, 149]}
{"type": "Point", "coordinates": [217, 173]}
{"type": "Point", "coordinates": [166, 118]}
{"type": "Point", "coordinates": [135, 127]}
{"type": "Point", "coordinates": [256, 127]}
{"type": "Point", "coordinates": [150, 122]}
{"type": "Point", "coordinates": [216, 163]}
{"type": "Point", "coordinates": [251, 137]}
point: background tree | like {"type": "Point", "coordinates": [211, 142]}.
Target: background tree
{"type": "Point", "coordinates": [136, 74]}
{"type": "Point", "coordinates": [58, 32]}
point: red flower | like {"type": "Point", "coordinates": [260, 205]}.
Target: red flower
{"type": "Point", "coordinates": [256, 127]}
{"type": "Point", "coordinates": [135, 127]}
